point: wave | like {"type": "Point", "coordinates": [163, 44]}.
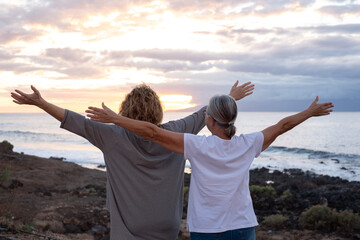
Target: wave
{"type": "Point", "coordinates": [314, 154]}
{"type": "Point", "coordinates": [40, 137]}
{"type": "Point", "coordinates": [28, 133]}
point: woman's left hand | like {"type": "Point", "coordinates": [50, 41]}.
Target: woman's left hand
{"type": "Point", "coordinates": [104, 115]}
{"type": "Point", "coordinates": [239, 92]}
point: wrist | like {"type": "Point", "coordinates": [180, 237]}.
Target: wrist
{"type": "Point", "coordinates": [308, 113]}
{"type": "Point", "coordinates": [41, 103]}
{"type": "Point", "coordinates": [236, 99]}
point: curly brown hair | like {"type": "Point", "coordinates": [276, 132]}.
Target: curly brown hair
{"type": "Point", "coordinates": [142, 103]}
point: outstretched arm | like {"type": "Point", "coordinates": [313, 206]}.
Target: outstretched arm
{"type": "Point", "coordinates": [170, 140]}
{"type": "Point", "coordinates": [286, 124]}
{"type": "Point", "coordinates": [35, 99]}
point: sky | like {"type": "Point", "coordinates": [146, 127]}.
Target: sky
{"type": "Point", "coordinates": [81, 53]}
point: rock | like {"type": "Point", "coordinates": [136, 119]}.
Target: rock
{"type": "Point", "coordinates": [101, 166]}
{"type": "Point", "coordinates": [84, 236]}
{"type": "Point", "coordinates": [72, 228]}
{"type": "Point", "coordinates": [335, 160]}
{"type": "Point", "coordinates": [183, 233]}
{"type": "Point", "coordinates": [6, 147]}
{"type": "Point", "coordinates": [57, 227]}
{"type": "Point", "coordinates": [84, 226]}
{"type": "Point", "coordinates": [323, 201]}
{"type": "Point", "coordinates": [99, 229]}
{"type": "Point", "coordinates": [47, 193]}
{"type": "Point", "coordinates": [57, 158]}
{"type": "Point", "coordinates": [15, 184]}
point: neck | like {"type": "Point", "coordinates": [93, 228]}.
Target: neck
{"type": "Point", "coordinates": [220, 132]}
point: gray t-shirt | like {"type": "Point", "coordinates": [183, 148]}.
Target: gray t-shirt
{"type": "Point", "coordinates": [144, 180]}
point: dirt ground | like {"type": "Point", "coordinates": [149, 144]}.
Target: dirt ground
{"type": "Point", "coordinates": [53, 199]}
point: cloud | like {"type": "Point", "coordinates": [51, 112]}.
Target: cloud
{"type": "Point", "coordinates": [286, 62]}
{"type": "Point", "coordinates": [215, 8]}
{"type": "Point", "coordinates": [69, 63]}
{"type": "Point", "coordinates": [12, 25]}
{"type": "Point", "coordinates": [339, 10]}
{"type": "Point", "coordinates": [69, 54]}
{"type": "Point", "coordinates": [328, 29]}
{"type": "Point", "coordinates": [29, 21]}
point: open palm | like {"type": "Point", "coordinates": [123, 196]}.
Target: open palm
{"type": "Point", "coordinates": [27, 98]}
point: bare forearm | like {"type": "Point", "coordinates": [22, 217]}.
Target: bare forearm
{"type": "Point", "coordinates": [55, 111]}
{"type": "Point", "coordinates": [292, 121]}
{"type": "Point", "coordinates": [141, 128]}
{"type": "Point", "coordinates": [170, 140]}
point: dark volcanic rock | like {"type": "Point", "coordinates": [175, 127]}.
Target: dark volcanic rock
{"type": "Point", "coordinates": [6, 147]}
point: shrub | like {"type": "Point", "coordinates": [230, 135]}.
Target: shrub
{"type": "Point", "coordinates": [319, 218]}
{"type": "Point", "coordinates": [324, 218]}
{"type": "Point", "coordinates": [274, 221]}
{"type": "Point", "coordinates": [4, 175]}
{"type": "Point", "coordinates": [348, 220]}
{"type": "Point", "coordinates": [28, 227]}
{"type": "Point", "coordinates": [264, 191]}
{"type": "Point", "coordinates": [286, 194]}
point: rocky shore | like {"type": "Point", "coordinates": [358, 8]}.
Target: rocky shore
{"type": "Point", "coordinates": [54, 199]}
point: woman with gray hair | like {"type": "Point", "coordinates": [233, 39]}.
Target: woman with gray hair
{"type": "Point", "coordinates": [220, 205]}
{"type": "Point", "coordinates": [224, 112]}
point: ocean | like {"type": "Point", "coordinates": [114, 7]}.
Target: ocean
{"type": "Point", "coordinates": [327, 145]}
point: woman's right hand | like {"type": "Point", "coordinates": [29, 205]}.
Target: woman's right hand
{"type": "Point", "coordinates": [27, 98]}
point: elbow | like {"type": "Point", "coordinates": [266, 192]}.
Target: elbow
{"type": "Point", "coordinates": [282, 130]}
{"type": "Point", "coordinates": [285, 127]}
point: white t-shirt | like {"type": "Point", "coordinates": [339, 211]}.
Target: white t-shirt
{"type": "Point", "coordinates": [219, 198]}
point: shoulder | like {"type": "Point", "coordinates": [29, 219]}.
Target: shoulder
{"type": "Point", "coordinates": [250, 139]}
{"type": "Point", "coordinates": [193, 138]}
{"type": "Point", "coordinates": [255, 136]}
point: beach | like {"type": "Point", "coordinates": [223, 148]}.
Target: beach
{"type": "Point", "coordinates": [48, 198]}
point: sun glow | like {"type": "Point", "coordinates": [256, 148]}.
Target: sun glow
{"type": "Point", "coordinates": [176, 102]}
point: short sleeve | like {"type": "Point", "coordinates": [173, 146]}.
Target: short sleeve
{"type": "Point", "coordinates": [258, 142]}
{"type": "Point", "coordinates": [191, 145]}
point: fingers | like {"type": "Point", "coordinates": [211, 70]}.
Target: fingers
{"type": "Point", "coordinates": [245, 84]}
{"type": "Point", "coordinates": [104, 106]}
{"type": "Point", "coordinates": [96, 114]}
{"type": "Point", "coordinates": [248, 93]}
{"type": "Point", "coordinates": [327, 105]}
{"type": "Point", "coordinates": [20, 93]}
{"type": "Point", "coordinates": [19, 98]}
{"type": "Point", "coordinates": [316, 99]}
{"type": "Point", "coordinates": [17, 102]}
{"type": "Point", "coordinates": [35, 90]}
{"type": "Point", "coordinates": [236, 83]}
{"type": "Point", "coordinates": [248, 86]}
{"type": "Point", "coordinates": [94, 109]}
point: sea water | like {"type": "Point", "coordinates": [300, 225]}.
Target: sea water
{"type": "Point", "coordinates": [328, 145]}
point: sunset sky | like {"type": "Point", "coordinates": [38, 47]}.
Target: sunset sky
{"type": "Point", "coordinates": [80, 53]}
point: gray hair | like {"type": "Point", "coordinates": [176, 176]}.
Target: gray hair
{"type": "Point", "coordinates": [224, 111]}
